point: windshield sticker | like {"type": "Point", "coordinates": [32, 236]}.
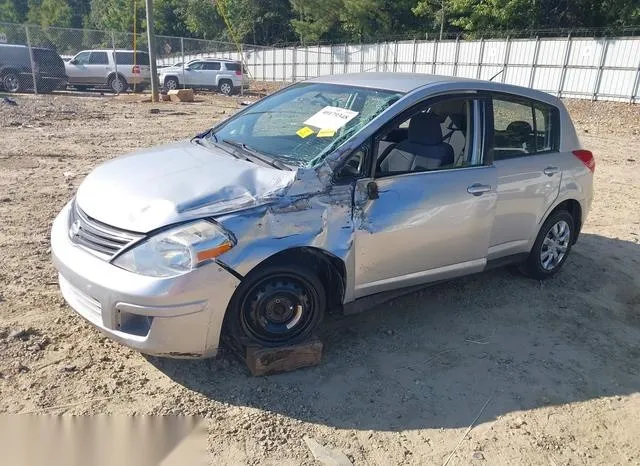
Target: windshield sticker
{"type": "Point", "coordinates": [326, 133]}
{"type": "Point", "coordinates": [304, 132]}
{"type": "Point", "coordinates": [331, 118]}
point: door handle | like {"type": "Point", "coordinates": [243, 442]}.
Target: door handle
{"type": "Point", "coordinates": [550, 171]}
{"type": "Point", "coordinates": [478, 189]}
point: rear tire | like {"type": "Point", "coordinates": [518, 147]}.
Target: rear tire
{"type": "Point", "coordinates": [225, 86]}
{"type": "Point", "coordinates": [275, 306]}
{"type": "Point", "coordinates": [11, 82]}
{"type": "Point", "coordinates": [117, 84]}
{"type": "Point", "coordinates": [552, 246]}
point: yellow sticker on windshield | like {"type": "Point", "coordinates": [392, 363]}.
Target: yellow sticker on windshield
{"type": "Point", "coordinates": [304, 132]}
{"type": "Point", "coordinates": [326, 133]}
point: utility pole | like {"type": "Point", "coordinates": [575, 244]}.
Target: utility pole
{"type": "Point", "coordinates": [151, 36]}
{"type": "Point", "coordinates": [442, 20]}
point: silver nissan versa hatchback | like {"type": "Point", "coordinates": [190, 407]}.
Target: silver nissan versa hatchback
{"type": "Point", "coordinates": [328, 191]}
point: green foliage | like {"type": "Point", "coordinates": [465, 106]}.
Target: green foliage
{"type": "Point", "coordinates": [117, 15]}
{"type": "Point", "coordinates": [278, 21]}
{"type": "Point", "coordinates": [315, 21]}
{"type": "Point", "coordinates": [50, 13]}
{"type": "Point", "coordinates": [478, 16]}
{"type": "Point", "coordinates": [353, 20]}
{"type": "Point", "coordinates": [9, 12]}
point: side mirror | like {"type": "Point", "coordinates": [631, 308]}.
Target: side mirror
{"type": "Point", "coordinates": [186, 68]}
{"type": "Point", "coordinates": [73, 61]}
{"type": "Point", "coordinates": [372, 190]}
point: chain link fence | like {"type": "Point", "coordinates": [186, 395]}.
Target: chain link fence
{"type": "Point", "coordinates": [41, 60]}
{"type": "Point", "coordinates": [45, 59]}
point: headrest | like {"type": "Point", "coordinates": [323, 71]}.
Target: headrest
{"type": "Point", "coordinates": [425, 129]}
{"type": "Point", "coordinates": [520, 128]}
{"type": "Point", "coordinates": [459, 121]}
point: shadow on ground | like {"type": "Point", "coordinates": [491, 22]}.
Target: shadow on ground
{"type": "Point", "coordinates": [431, 359]}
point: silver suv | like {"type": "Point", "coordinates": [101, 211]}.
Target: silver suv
{"type": "Point", "coordinates": [316, 197]}
{"type": "Point", "coordinates": [207, 73]}
{"type": "Point", "coordinates": [118, 70]}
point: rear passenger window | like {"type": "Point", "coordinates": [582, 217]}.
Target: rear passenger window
{"type": "Point", "coordinates": [215, 66]}
{"type": "Point", "coordinates": [523, 127]}
{"type": "Point", "coordinates": [98, 58]}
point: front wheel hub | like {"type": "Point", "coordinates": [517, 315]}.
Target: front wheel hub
{"type": "Point", "coordinates": [278, 309]}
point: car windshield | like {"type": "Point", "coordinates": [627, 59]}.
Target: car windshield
{"type": "Point", "coordinates": [305, 122]}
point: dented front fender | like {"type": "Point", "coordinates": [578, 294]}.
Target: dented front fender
{"type": "Point", "coordinates": [313, 213]}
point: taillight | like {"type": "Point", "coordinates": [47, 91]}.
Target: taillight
{"type": "Point", "coordinates": [586, 157]}
{"type": "Point", "coordinates": [135, 69]}
{"type": "Point", "coordinates": [238, 72]}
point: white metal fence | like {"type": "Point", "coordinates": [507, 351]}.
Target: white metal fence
{"type": "Point", "coordinates": [598, 69]}
{"type": "Point", "coordinates": [578, 67]}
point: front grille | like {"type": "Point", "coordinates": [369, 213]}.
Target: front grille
{"type": "Point", "coordinates": [98, 238]}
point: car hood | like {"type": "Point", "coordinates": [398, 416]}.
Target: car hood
{"type": "Point", "coordinates": [176, 182]}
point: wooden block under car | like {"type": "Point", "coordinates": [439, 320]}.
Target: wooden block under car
{"type": "Point", "coordinates": [265, 361]}
{"type": "Point", "coordinates": [181, 95]}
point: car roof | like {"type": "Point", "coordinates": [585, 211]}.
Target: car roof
{"type": "Point", "coordinates": [407, 82]}
{"type": "Point", "coordinates": [111, 50]}
{"type": "Point", "coordinates": [12, 45]}
{"type": "Point", "coordinates": [215, 59]}
{"type": "Point", "coordinates": [401, 82]}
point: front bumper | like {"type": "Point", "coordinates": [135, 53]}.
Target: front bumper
{"type": "Point", "coordinates": [175, 317]}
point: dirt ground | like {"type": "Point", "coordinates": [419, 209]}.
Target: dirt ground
{"type": "Point", "coordinates": [556, 365]}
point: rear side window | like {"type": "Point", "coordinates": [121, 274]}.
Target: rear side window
{"type": "Point", "coordinates": [235, 67]}
{"type": "Point", "coordinates": [523, 127]}
{"type": "Point", "coordinates": [126, 58]}
{"type": "Point", "coordinates": [98, 58]}
{"type": "Point", "coordinates": [212, 66]}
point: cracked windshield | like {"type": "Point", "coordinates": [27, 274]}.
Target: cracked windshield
{"type": "Point", "coordinates": [305, 122]}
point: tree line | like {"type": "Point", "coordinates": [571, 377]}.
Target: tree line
{"type": "Point", "coordinates": [269, 22]}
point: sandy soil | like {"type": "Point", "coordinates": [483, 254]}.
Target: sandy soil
{"type": "Point", "coordinates": [557, 364]}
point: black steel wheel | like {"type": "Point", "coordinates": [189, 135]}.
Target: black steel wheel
{"type": "Point", "coordinates": [278, 306]}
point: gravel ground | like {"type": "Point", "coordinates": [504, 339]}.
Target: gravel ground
{"type": "Point", "coordinates": [556, 365]}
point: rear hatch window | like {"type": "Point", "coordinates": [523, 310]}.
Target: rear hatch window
{"type": "Point", "coordinates": [48, 61]}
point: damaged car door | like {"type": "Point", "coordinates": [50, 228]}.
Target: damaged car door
{"type": "Point", "coordinates": [427, 210]}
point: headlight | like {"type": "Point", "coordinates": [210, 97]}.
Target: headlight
{"type": "Point", "coordinates": [177, 251]}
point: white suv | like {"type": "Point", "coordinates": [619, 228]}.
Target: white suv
{"type": "Point", "coordinates": [224, 75]}
{"type": "Point", "coordinates": [118, 70]}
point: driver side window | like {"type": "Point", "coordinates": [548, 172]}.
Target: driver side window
{"type": "Point", "coordinates": [82, 58]}
{"type": "Point", "coordinates": [432, 136]}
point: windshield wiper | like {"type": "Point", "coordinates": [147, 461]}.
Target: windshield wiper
{"type": "Point", "coordinates": [256, 154]}
{"type": "Point", "coordinates": [206, 133]}
{"type": "Point", "coordinates": [201, 139]}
